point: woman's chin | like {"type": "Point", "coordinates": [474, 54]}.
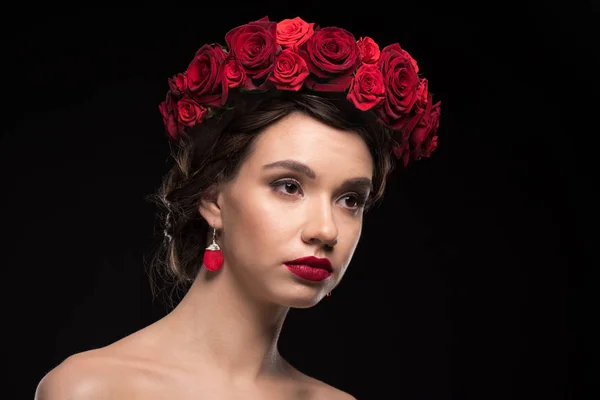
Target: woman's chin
{"type": "Point", "coordinates": [305, 297]}
{"type": "Point", "coordinates": [303, 303]}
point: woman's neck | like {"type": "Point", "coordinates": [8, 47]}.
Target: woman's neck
{"type": "Point", "coordinates": [219, 325]}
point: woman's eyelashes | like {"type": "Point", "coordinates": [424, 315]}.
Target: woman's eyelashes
{"type": "Point", "coordinates": [292, 187]}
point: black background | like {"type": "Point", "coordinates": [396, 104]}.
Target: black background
{"type": "Point", "coordinates": [479, 253]}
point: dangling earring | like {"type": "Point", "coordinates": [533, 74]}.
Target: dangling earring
{"type": "Point", "coordinates": [328, 294]}
{"type": "Point", "coordinates": [213, 256]}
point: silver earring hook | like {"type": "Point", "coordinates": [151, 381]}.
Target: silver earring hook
{"type": "Point", "coordinates": [214, 245]}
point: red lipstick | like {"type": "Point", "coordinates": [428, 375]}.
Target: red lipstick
{"type": "Point", "coordinates": [310, 268]}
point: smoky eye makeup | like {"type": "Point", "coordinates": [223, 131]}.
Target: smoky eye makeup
{"type": "Point", "coordinates": [282, 182]}
{"type": "Point", "coordinates": [292, 187]}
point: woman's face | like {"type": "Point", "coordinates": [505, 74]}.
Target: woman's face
{"type": "Point", "coordinates": [272, 213]}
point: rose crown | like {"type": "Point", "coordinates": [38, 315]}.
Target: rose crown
{"type": "Point", "coordinates": [293, 55]}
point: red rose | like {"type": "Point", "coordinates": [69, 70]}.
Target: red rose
{"type": "Point", "coordinates": [408, 121]}
{"type": "Point", "coordinates": [189, 112]}
{"type": "Point", "coordinates": [423, 137]}
{"type": "Point", "coordinates": [430, 144]}
{"type": "Point", "coordinates": [178, 83]}
{"type": "Point", "coordinates": [290, 71]}
{"type": "Point", "coordinates": [291, 33]}
{"type": "Point", "coordinates": [205, 76]}
{"type": "Point", "coordinates": [402, 152]}
{"type": "Point", "coordinates": [367, 89]}
{"type": "Point", "coordinates": [168, 110]}
{"type": "Point", "coordinates": [369, 50]}
{"type": "Point", "coordinates": [332, 56]}
{"type": "Point", "coordinates": [401, 83]}
{"type": "Point", "coordinates": [422, 94]}
{"type": "Point", "coordinates": [412, 60]}
{"type": "Point", "coordinates": [255, 46]}
{"type": "Point", "coordinates": [234, 74]}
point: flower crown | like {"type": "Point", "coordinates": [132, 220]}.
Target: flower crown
{"type": "Point", "coordinates": [292, 55]}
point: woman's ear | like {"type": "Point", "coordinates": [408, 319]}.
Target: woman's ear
{"type": "Point", "coordinates": [209, 207]}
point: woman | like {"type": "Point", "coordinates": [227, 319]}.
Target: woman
{"type": "Point", "coordinates": [282, 141]}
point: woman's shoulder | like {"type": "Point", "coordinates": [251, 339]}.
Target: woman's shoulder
{"type": "Point", "coordinates": [80, 376]}
{"type": "Point", "coordinates": [121, 371]}
{"type": "Point", "coordinates": [93, 374]}
{"type": "Point", "coordinates": [320, 389]}
{"type": "Point", "coordinates": [326, 391]}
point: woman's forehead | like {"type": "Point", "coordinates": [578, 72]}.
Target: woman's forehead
{"type": "Point", "coordinates": [310, 141]}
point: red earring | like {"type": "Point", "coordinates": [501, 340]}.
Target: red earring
{"type": "Point", "coordinates": [213, 256]}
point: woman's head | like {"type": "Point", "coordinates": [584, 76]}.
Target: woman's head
{"type": "Point", "coordinates": [277, 91]}
{"type": "Point", "coordinates": [280, 175]}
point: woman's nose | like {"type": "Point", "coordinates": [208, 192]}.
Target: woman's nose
{"type": "Point", "coordinates": [320, 226]}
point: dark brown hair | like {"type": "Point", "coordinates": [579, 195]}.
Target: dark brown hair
{"type": "Point", "coordinates": [214, 151]}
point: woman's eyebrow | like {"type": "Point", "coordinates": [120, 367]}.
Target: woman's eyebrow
{"type": "Point", "coordinates": [359, 182]}
{"type": "Point", "coordinates": [293, 165]}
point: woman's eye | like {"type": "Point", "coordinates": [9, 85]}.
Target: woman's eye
{"type": "Point", "coordinates": [354, 201]}
{"type": "Point", "coordinates": [351, 201]}
{"type": "Point", "coordinates": [291, 187]}
{"type": "Point", "coordinates": [288, 187]}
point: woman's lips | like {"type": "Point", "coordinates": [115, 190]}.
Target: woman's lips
{"type": "Point", "coordinates": [309, 273]}
{"type": "Point", "coordinates": [313, 261]}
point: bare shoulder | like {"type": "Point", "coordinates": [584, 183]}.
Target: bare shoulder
{"type": "Point", "coordinates": [94, 374]}
{"type": "Point", "coordinates": [318, 389]}
{"type": "Point", "coordinates": [326, 391]}
{"type": "Point", "coordinates": [322, 390]}
{"type": "Point", "coordinates": [80, 376]}
{"type": "Point", "coordinates": [343, 396]}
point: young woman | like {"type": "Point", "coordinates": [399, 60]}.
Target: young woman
{"type": "Point", "coordinates": [282, 140]}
